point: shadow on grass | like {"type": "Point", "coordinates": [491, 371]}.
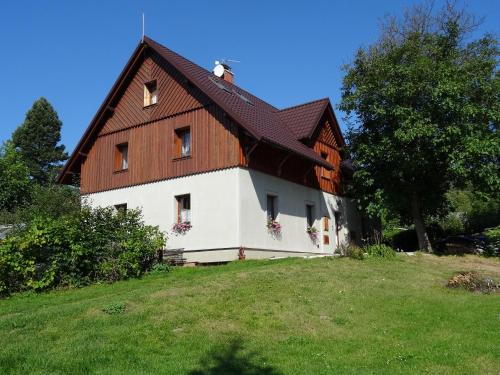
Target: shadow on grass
{"type": "Point", "coordinates": [233, 360]}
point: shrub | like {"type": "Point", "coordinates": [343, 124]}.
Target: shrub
{"type": "Point", "coordinates": [492, 241]}
{"type": "Point", "coordinates": [161, 268]}
{"type": "Point", "coordinates": [380, 251]}
{"type": "Point", "coordinates": [353, 251]}
{"type": "Point", "coordinates": [88, 246]}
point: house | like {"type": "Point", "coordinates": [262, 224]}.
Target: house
{"type": "Point", "coordinates": [224, 173]}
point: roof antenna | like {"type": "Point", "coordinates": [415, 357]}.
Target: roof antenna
{"type": "Point", "coordinates": [142, 38]}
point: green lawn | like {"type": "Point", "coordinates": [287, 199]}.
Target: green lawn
{"type": "Point", "coordinates": [293, 316]}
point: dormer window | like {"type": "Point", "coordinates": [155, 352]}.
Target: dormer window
{"type": "Point", "coordinates": [150, 93]}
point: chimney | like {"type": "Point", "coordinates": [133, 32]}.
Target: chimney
{"type": "Point", "coordinates": [228, 74]}
{"type": "Point", "coordinates": [223, 71]}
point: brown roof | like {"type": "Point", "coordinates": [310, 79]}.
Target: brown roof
{"type": "Point", "coordinates": [281, 128]}
{"type": "Point", "coordinates": [260, 119]}
{"type": "Point", "coordinates": [302, 119]}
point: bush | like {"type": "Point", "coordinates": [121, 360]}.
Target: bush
{"type": "Point", "coordinates": [88, 246]}
{"type": "Point", "coordinates": [492, 241]}
{"type": "Point", "coordinates": [52, 201]}
{"type": "Point", "coordinates": [353, 251]}
{"type": "Point", "coordinates": [379, 251]}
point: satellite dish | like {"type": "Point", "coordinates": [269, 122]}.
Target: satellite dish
{"type": "Point", "coordinates": [219, 70]}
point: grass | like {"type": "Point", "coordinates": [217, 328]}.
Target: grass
{"type": "Point", "coordinates": [292, 316]}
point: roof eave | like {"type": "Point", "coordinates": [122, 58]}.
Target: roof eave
{"type": "Point", "coordinates": [317, 161]}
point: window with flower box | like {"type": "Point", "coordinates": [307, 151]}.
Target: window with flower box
{"type": "Point", "coordinates": [183, 208]}
{"type": "Point", "coordinates": [272, 206]}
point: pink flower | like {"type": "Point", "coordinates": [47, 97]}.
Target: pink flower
{"type": "Point", "coordinates": [181, 228]}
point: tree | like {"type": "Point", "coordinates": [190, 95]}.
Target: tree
{"type": "Point", "coordinates": [14, 179]}
{"type": "Point", "coordinates": [37, 141]}
{"type": "Point", "coordinates": [423, 108]}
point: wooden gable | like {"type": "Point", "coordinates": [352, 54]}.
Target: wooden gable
{"type": "Point", "coordinates": [326, 144]}
{"type": "Point", "coordinates": [174, 96]}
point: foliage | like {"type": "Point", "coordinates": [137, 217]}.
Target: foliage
{"type": "Point", "coordinates": [15, 185]}
{"type": "Point", "coordinates": [37, 141]}
{"type": "Point", "coordinates": [475, 211]}
{"type": "Point", "coordinates": [424, 110]}
{"type": "Point", "coordinates": [493, 241]}
{"type": "Point", "coordinates": [379, 251]}
{"type": "Point", "coordinates": [161, 268]}
{"type": "Point", "coordinates": [45, 201]}
{"type": "Point", "coordinates": [89, 246]}
{"type": "Point", "coordinates": [353, 251]}
{"type": "Point", "coordinates": [114, 308]}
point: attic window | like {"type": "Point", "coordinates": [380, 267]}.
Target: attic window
{"type": "Point", "coordinates": [220, 85]}
{"type": "Point", "coordinates": [150, 93]}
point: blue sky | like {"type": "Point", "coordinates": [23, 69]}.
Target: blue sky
{"type": "Point", "coordinates": [71, 52]}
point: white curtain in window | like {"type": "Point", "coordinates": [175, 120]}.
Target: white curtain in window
{"type": "Point", "coordinates": [186, 144]}
{"type": "Point", "coordinates": [124, 157]}
{"type": "Point", "coordinates": [185, 215]}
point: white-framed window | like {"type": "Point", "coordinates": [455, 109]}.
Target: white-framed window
{"type": "Point", "coordinates": [150, 93]}
{"type": "Point", "coordinates": [272, 206]}
{"type": "Point", "coordinates": [183, 208]}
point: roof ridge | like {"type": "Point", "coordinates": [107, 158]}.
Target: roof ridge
{"type": "Point", "coordinates": [231, 85]}
{"type": "Point", "coordinates": [304, 104]}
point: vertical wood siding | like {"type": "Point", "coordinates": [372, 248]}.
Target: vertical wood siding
{"type": "Point", "coordinates": [174, 96]}
{"type": "Point", "coordinates": [216, 142]}
{"type": "Point", "coordinates": [267, 159]}
{"type": "Point", "coordinates": [151, 154]}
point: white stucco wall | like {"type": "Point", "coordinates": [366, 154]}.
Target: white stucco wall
{"type": "Point", "coordinates": [291, 199]}
{"type": "Point", "coordinates": [228, 210]}
{"type": "Point", "coordinates": [214, 207]}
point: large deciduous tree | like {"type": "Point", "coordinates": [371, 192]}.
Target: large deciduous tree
{"type": "Point", "coordinates": [423, 107]}
{"type": "Point", "coordinates": [37, 141]}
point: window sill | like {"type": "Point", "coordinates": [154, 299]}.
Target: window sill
{"type": "Point", "coordinates": [121, 171]}
{"type": "Point", "coordinates": [181, 158]}
{"type": "Point", "coordinates": [149, 106]}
